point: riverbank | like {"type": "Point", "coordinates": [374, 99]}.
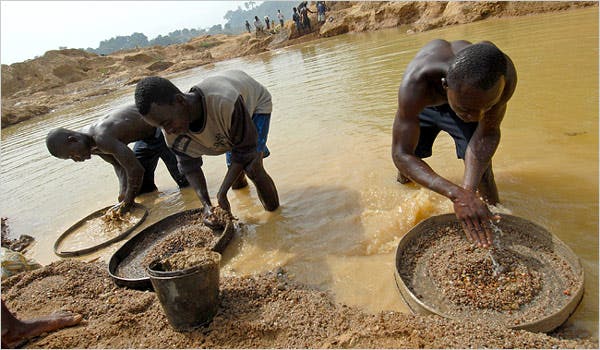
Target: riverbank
{"type": "Point", "coordinates": [264, 311]}
{"type": "Point", "coordinates": [63, 78]}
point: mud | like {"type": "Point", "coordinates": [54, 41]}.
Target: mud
{"type": "Point", "coordinates": [99, 229]}
{"type": "Point", "coordinates": [190, 257]}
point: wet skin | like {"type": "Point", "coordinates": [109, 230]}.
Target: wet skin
{"type": "Point", "coordinates": [108, 138]}
{"type": "Point", "coordinates": [424, 85]}
{"type": "Point", "coordinates": [175, 119]}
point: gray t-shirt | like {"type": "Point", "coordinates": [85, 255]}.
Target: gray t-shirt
{"type": "Point", "coordinates": [229, 99]}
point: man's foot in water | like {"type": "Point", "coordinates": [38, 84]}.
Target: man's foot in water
{"type": "Point", "coordinates": [148, 189]}
{"type": "Point", "coordinates": [402, 179]}
{"type": "Point", "coordinates": [183, 183]}
{"type": "Point", "coordinates": [18, 333]}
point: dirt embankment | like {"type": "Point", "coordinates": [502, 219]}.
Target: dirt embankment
{"type": "Point", "coordinates": [65, 77]}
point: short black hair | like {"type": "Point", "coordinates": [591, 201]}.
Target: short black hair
{"type": "Point", "coordinates": [154, 90]}
{"type": "Point", "coordinates": [479, 65]}
{"type": "Point", "coordinates": [55, 138]}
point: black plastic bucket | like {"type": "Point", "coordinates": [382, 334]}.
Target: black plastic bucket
{"type": "Point", "coordinates": [190, 297]}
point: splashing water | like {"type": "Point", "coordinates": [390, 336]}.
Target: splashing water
{"type": "Point", "coordinates": [498, 269]}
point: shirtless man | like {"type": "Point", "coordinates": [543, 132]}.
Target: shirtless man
{"type": "Point", "coordinates": [228, 112]}
{"type": "Point", "coordinates": [108, 138]}
{"type": "Point", "coordinates": [461, 88]}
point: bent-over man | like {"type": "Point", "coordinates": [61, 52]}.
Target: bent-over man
{"type": "Point", "coordinates": [227, 112]}
{"type": "Point", "coordinates": [108, 138]}
{"type": "Point", "coordinates": [461, 88]}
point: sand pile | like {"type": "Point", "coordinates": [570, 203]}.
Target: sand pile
{"type": "Point", "coordinates": [266, 311]}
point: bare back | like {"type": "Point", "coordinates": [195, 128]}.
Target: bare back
{"type": "Point", "coordinates": [125, 125]}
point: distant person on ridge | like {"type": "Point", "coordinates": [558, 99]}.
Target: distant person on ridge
{"type": "Point", "coordinates": [321, 8]}
{"type": "Point", "coordinates": [296, 19]}
{"type": "Point", "coordinates": [108, 138]}
{"type": "Point", "coordinates": [303, 8]}
{"type": "Point", "coordinates": [463, 89]}
{"type": "Point", "coordinates": [267, 22]}
{"type": "Point", "coordinates": [280, 17]}
{"type": "Point", "coordinates": [248, 27]}
{"type": "Point", "coordinates": [228, 112]}
{"type": "Point", "coordinates": [258, 25]}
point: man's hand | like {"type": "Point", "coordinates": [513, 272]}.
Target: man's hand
{"type": "Point", "coordinates": [119, 208]}
{"type": "Point", "coordinates": [223, 201]}
{"type": "Point", "coordinates": [217, 218]}
{"type": "Point", "coordinates": [474, 216]}
{"type": "Point", "coordinates": [210, 219]}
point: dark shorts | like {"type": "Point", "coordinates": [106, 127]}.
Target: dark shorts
{"type": "Point", "coordinates": [434, 119]}
{"type": "Point", "coordinates": [261, 122]}
{"type": "Point", "coordinates": [147, 152]}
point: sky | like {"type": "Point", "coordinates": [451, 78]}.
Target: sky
{"type": "Point", "coordinates": [30, 28]}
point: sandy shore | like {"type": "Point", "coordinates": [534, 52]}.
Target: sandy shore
{"type": "Point", "coordinates": [266, 311]}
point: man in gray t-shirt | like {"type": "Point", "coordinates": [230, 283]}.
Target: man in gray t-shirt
{"type": "Point", "coordinates": [226, 112]}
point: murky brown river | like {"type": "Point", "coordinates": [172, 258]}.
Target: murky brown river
{"type": "Point", "coordinates": [342, 212]}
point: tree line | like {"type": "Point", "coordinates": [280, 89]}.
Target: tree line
{"type": "Point", "coordinates": [235, 24]}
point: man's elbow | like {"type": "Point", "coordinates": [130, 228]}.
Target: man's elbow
{"type": "Point", "coordinates": [400, 158]}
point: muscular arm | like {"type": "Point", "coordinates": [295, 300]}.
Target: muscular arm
{"type": "Point", "coordinates": [192, 169]}
{"type": "Point", "coordinates": [404, 142]}
{"type": "Point", "coordinates": [125, 157]}
{"type": "Point", "coordinates": [245, 138]}
{"type": "Point", "coordinates": [120, 174]}
{"type": "Point", "coordinates": [482, 146]}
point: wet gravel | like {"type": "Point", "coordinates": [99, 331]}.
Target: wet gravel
{"type": "Point", "coordinates": [169, 236]}
{"type": "Point", "coordinates": [459, 280]}
{"type": "Point", "coordinates": [190, 257]}
{"type": "Point", "coordinates": [263, 311]}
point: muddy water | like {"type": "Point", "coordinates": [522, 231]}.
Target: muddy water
{"type": "Point", "coordinates": [342, 212]}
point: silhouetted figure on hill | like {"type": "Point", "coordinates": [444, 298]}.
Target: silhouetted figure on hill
{"type": "Point", "coordinates": [280, 17]}
{"type": "Point", "coordinates": [296, 19]}
{"type": "Point", "coordinates": [258, 25]}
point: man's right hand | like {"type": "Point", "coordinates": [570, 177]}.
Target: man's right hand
{"type": "Point", "coordinates": [474, 216]}
{"type": "Point", "coordinates": [210, 220]}
{"type": "Point", "coordinates": [119, 208]}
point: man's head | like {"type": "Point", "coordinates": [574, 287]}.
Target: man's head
{"type": "Point", "coordinates": [67, 144]}
{"type": "Point", "coordinates": [475, 80]}
{"type": "Point", "coordinates": [163, 105]}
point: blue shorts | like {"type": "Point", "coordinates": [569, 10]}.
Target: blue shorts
{"type": "Point", "coordinates": [434, 119]}
{"type": "Point", "coordinates": [261, 122]}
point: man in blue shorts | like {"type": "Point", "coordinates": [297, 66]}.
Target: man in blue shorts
{"type": "Point", "coordinates": [463, 89]}
{"type": "Point", "coordinates": [228, 112]}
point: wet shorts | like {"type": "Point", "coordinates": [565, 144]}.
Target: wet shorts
{"type": "Point", "coordinates": [434, 119]}
{"type": "Point", "coordinates": [261, 122]}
